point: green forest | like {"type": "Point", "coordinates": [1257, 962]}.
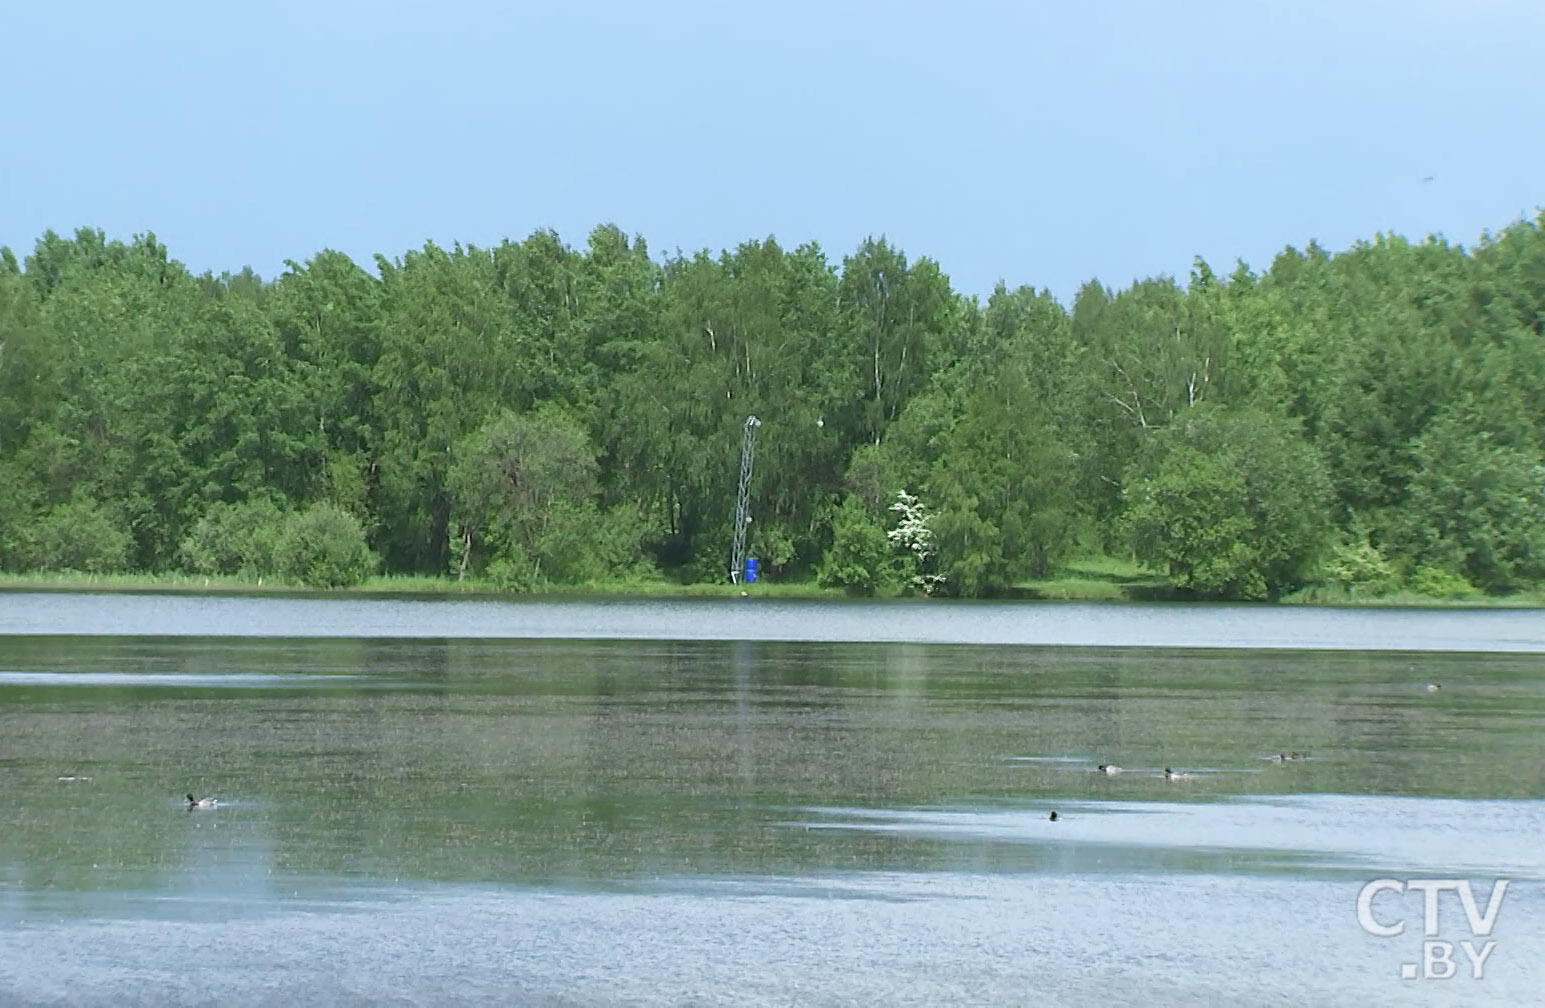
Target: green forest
{"type": "Point", "coordinates": [536, 415]}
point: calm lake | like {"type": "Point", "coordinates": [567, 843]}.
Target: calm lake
{"type": "Point", "coordinates": [763, 802]}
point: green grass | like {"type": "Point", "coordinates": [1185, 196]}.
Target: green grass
{"type": "Point", "coordinates": [636, 587]}
{"type": "Point", "coordinates": [78, 581]}
{"type": "Point", "coordinates": [1099, 578]}
{"type": "Point", "coordinates": [1089, 579]}
{"type": "Point", "coordinates": [1329, 595]}
{"type": "Point", "coordinates": [403, 585]}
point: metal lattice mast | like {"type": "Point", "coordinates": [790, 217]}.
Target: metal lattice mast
{"type": "Point", "coordinates": [743, 500]}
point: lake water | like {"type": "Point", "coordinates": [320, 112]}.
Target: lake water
{"type": "Point", "coordinates": [759, 802]}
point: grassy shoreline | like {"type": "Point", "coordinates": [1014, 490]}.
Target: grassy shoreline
{"type": "Point", "coordinates": [391, 585]}
{"type": "Point", "coordinates": [1099, 579]}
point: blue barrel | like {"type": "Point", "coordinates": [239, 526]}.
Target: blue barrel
{"type": "Point", "coordinates": [750, 569]}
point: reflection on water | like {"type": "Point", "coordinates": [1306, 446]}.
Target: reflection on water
{"type": "Point", "coordinates": [229, 680]}
{"type": "Point", "coordinates": [583, 821]}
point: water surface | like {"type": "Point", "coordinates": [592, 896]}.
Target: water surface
{"type": "Point", "coordinates": [548, 820]}
{"type": "Point", "coordinates": [753, 618]}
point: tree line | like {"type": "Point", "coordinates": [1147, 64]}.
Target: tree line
{"type": "Point", "coordinates": [537, 414]}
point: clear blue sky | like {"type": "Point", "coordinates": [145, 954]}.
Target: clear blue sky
{"type": "Point", "coordinates": [1040, 143]}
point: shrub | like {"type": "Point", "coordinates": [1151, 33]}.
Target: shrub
{"type": "Point", "coordinates": [1231, 503]}
{"type": "Point", "coordinates": [860, 558]}
{"type": "Point", "coordinates": [79, 536]}
{"type": "Point", "coordinates": [234, 538]}
{"type": "Point", "coordinates": [1360, 570]}
{"type": "Point", "coordinates": [1436, 582]}
{"type": "Point", "coordinates": [324, 547]}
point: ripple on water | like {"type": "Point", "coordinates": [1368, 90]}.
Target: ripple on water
{"type": "Point", "coordinates": [1309, 834]}
{"type": "Point", "coordinates": [955, 938]}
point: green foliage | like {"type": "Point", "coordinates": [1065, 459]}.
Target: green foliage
{"type": "Point", "coordinates": [78, 535]}
{"type": "Point", "coordinates": [346, 484]}
{"type": "Point", "coordinates": [28, 394]}
{"type": "Point", "coordinates": [235, 539]}
{"type": "Point", "coordinates": [1359, 570]}
{"type": "Point", "coordinates": [1231, 503]}
{"type": "Point", "coordinates": [1411, 374]}
{"type": "Point", "coordinates": [1004, 486]}
{"type": "Point", "coordinates": [616, 544]}
{"type": "Point", "coordinates": [323, 547]}
{"type": "Point", "coordinates": [900, 316]}
{"type": "Point", "coordinates": [523, 489]}
{"type": "Point", "coordinates": [1439, 583]}
{"type": "Point", "coordinates": [871, 476]}
{"type": "Point", "coordinates": [1474, 506]}
{"type": "Point", "coordinates": [752, 332]}
{"type": "Point", "coordinates": [772, 544]}
{"type": "Point", "coordinates": [860, 559]}
{"type": "Point", "coordinates": [574, 547]}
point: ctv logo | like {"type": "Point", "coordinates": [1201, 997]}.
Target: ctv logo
{"type": "Point", "coordinates": [1437, 962]}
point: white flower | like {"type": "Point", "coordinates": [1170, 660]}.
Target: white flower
{"type": "Point", "coordinates": [913, 535]}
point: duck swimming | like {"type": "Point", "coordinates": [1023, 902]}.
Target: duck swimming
{"type": "Point", "coordinates": [194, 803]}
{"type": "Point", "coordinates": [1172, 775]}
{"type": "Point", "coordinates": [1053, 816]}
{"type": "Point", "coordinates": [1286, 757]}
{"type": "Point", "coordinates": [1433, 687]}
{"type": "Point", "coordinates": [1109, 769]}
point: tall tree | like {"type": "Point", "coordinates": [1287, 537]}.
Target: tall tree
{"type": "Point", "coordinates": [1003, 490]}
{"type": "Point", "coordinates": [445, 366]}
{"type": "Point", "coordinates": [897, 316]}
{"type": "Point", "coordinates": [1231, 503]}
